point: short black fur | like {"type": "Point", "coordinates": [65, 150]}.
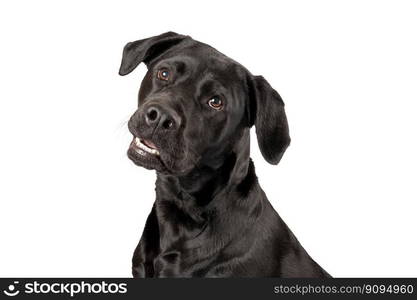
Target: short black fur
{"type": "Point", "coordinates": [211, 217]}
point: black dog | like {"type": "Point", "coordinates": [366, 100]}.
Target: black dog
{"type": "Point", "coordinates": [211, 217]}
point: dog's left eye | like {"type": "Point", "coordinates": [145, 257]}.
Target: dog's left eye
{"type": "Point", "coordinates": [163, 74]}
{"type": "Point", "coordinates": [215, 103]}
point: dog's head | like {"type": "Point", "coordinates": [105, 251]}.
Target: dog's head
{"type": "Point", "coordinates": [194, 105]}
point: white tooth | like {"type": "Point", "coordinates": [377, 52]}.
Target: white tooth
{"type": "Point", "coordinates": [140, 152]}
{"type": "Point", "coordinates": [145, 148]}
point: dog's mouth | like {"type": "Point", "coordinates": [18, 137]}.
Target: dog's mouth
{"type": "Point", "coordinates": [143, 147]}
{"type": "Point", "coordinates": [146, 154]}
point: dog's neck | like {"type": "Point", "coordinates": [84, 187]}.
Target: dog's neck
{"type": "Point", "coordinates": [196, 192]}
{"type": "Point", "coordinates": [186, 207]}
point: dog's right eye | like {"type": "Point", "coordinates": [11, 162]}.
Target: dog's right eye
{"type": "Point", "coordinates": [163, 74]}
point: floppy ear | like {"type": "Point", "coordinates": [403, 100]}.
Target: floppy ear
{"type": "Point", "coordinates": [146, 50]}
{"type": "Point", "coordinates": [268, 115]}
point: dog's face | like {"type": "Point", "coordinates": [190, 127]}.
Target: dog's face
{"type": "Point", "coordinates": [194, 104]}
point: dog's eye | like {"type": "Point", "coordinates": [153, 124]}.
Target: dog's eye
{"type": "Point", "coordinates": [163, 74]}
{"type": "Point", "coordinates": [215, 103]}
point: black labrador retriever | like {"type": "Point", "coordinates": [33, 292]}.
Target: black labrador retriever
{"type": "Point", "coordinates": [211, 217]}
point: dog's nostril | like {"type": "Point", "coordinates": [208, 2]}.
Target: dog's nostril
{"type": "Point", "coordinates": [167, 124]}
{"type": "Point", "coordinates": [156, 117]}
{"type": "Point", "coordinates": [152, 114]}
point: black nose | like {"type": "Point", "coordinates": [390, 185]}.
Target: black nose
{"type": "Point", "coordinates": [157, 117]}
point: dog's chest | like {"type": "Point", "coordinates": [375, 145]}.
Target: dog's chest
{"type": "Point", "coordinates": [183, 251]}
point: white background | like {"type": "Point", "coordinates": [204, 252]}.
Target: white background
{"type": "Point", "coordinates": [71, 202]}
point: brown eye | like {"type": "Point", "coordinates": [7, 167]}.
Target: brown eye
{"type": "Point", "coordinates": [163, 74]}
{"type": "Point", "coordinates": [215, 103]}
